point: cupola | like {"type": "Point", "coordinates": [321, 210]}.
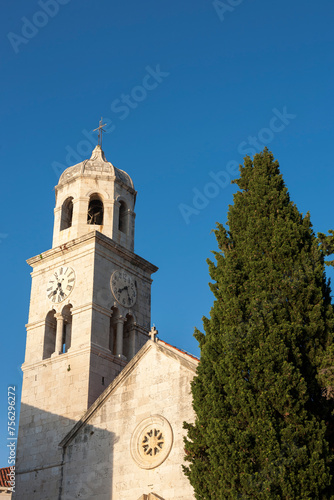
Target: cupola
{"type": "Point", "coordinates": [95, 195]}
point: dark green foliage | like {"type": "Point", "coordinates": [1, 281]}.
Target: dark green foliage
{"type": "Point", "coordinates": [262, 394]}
{"type": "Point", "coordinates": [327, 245]}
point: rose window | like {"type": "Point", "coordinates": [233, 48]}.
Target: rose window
{"type": "Point", "coordinates": [151, 442]}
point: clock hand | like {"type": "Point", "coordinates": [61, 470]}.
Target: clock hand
{"type": "Point", "coordinates": [59, 289]}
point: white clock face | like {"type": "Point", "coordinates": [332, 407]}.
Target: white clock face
{"type": "Point", "coordinates": [60, 284]}
{"type": "Point", "coordinates": [124, 288]}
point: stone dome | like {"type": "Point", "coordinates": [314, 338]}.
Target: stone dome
{"type": "Point", "coordinates": [96, 165]}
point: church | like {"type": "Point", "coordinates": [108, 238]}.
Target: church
{"type": "Point", "coordinates": [103, 399]}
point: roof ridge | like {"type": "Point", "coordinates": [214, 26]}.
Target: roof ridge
{"type": "Point", "coordinates": [180, 350]}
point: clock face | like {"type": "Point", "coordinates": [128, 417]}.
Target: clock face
{"type": "Point", "coordinates": [60, 284]}
{"type": "Point", "coordinates": [124, 288]}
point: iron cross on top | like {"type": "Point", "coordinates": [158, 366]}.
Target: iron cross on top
{"type": "Point", "coordinates": [100, 129]}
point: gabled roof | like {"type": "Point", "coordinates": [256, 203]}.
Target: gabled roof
{"type": "Point", "coordinates": [186, 359]}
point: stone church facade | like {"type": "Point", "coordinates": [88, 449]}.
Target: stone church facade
{"type": "Point", "coordinates": [103, 400]}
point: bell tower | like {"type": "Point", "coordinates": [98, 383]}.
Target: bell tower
{"type": "Point", "coordinates": [90, 313]}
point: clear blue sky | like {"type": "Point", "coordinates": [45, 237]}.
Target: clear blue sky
{"type": "Point", "coordinates": [223, 77]}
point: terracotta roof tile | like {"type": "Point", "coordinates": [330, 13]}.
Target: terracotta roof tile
{"type": "Point", "coordinates": [4, 477]}
{"type": "Point", "coordinates": [180, 350]}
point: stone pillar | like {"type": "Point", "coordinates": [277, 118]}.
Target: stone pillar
{"type": "Point", "coordinates": [80, 209]}
{"type": "Point", "coordinates": [119, 336]}
{"type": "Point", "coordinates": [108, 206]}
{"type": "Point", "coordinates": [68, 332]}
{"type": "Point", "coordinates": [115, 219]}
{"type": "Point", "coordinates": [111, 333]}
{"type": "Point", "coordinates": [131, 229]}
{"type": "Point", "coordinates": [59, 334]}
{"type": "Point", "coordinates": [132, 341]}
{"type": "Point", "coordinates": [56, 226]}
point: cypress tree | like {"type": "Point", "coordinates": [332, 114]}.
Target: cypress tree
{"type": "Point", "coordinates": [262, 394]}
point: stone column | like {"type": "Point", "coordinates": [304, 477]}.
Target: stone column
{"type": "Point", "coordinates": [115, 219]}
{"type": "Point", "coordinates": [111, 333]}
{"type": "Point", "coordinates": [132, 340]}
{"type": "Point", "coordinates": [119, 336]}
{"type": "Point", "coordinates": [131, 229]}
{"type": "Point", "coordinates": [67, 332]}
{"type": "Point", "coordinates": [59, 334]}
{"type": "Point", "coordinates": [56, 226]}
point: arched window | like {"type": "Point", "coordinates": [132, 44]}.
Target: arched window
{"type": "Point", "coordinates": [123, 217]}
{"type": "Point", "coordinates": [49, 346]}
{"type": "Point", "coordinates": [95, 210]}
{"type": "Point", "coordinates": [66, 214]}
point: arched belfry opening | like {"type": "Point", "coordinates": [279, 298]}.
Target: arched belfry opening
{"type": "Point", "coordinates": [95, 210]}
{"type": "Point", "coordinates": [50, 329]}
{"type": "Point", "coordinates": [66, 214]}
{"type": "Point", "coordinates": [123, 217]}
{"type": "Point", "coordinates": [57, 332]}
{"type": "Point", "coordinates": [122, 335]}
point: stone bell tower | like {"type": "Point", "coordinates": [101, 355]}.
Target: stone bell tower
{"type": "Point", "coordinates": [90, 313]}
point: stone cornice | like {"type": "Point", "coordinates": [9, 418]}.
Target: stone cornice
{"type": "Point", "coordinates": [89, 349]}
{"type": "Point", "coordinates": [61, 249]}
{"type": "Point", "coordinates": [102, 176]}
{"type": "Point", "coordinates": [125, 254]}
{"type": "Point", "coordinates": [102, 352]}
{"type": "Point", "coordinates": [50, 263]}
{"type": "Point", "coordinates": [61, 357]}
{"type": "Point", "coordinates": [99, 239]}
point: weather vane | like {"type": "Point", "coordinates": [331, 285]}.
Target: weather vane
{"type": "Point", "coordinates": [101, 130]}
